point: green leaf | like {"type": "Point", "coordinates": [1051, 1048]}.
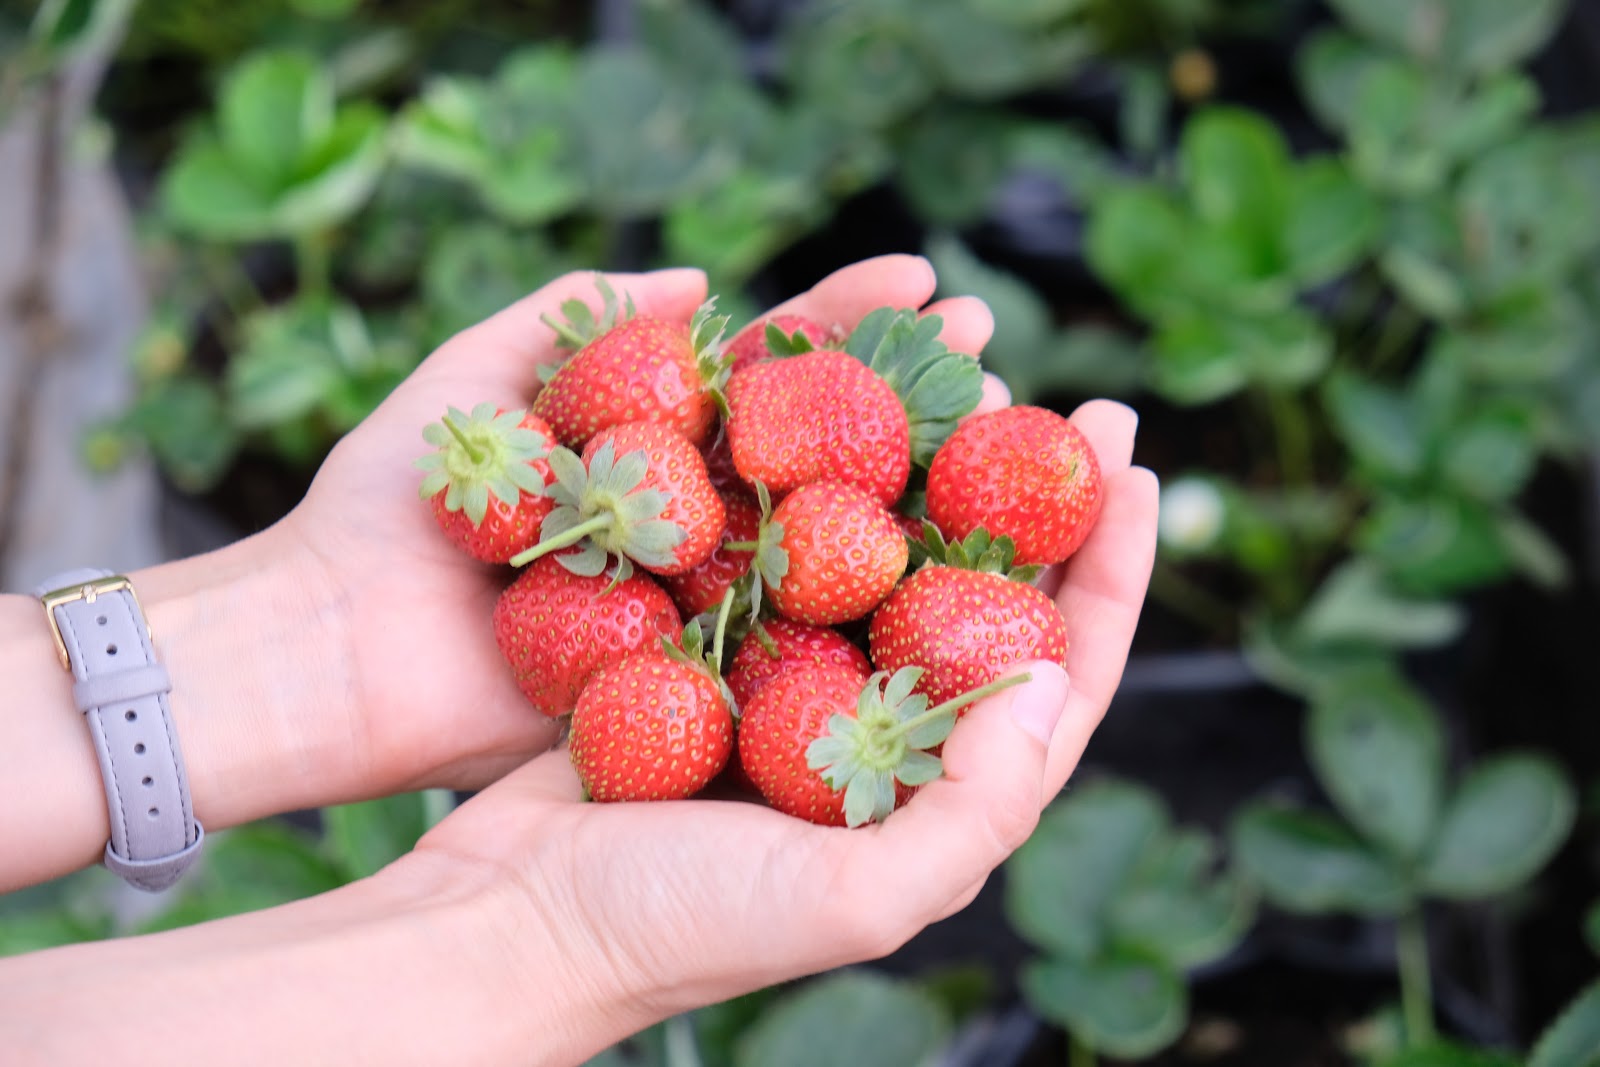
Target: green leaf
{"type": "Point", "coordinates": [186, 425]}
{"type": "Point", "coordinates": [1178, 916]}
{"type": "Point", "coordinates": [1378, 750]}
{"type": "Point", "coordinates": [1492, 454]}
{"type": "Point", "coordinates": [1206, 355]}
{"type": "Point", "coordinates": [1021, 318]}
{"type": "Point", "coordinates": [272, 112]}
{"type": "Point", "coordinates": [1135, 241]}
{"type": "Point", "coordinates": [1466, 35]}
{"type": "Point", "coordinates": [847, 1017]}
{"type": "Point", "coordinates": [1432, 546]}
{"type": "Point", "coordinates": [1505, 821]}
{"type": "Point", "coordinates": [1428, 284]}
{"type": "Point", "coordinates": [1448, 1054]}
{"type": "Point", "coordinates": [1354, 605]}
{"type": "Point", "coordinates": [1331, 68]}
{"type": "Point", "coordinates": [1573, 1040]}
{"type": "Point", "coordinates": [338, 175]}
{"type": "Point", "coordinates": [205, 192]}
{"type": "Point", "coordinates": [1236, 168]}
{"type": "Point", "coordinates": [1332, 221]}
{"type": "Point", "coordinates": [1591, 928]}
{"type": "Point", "coordinates": [1061, 881]}
{"type": "Point", "coordinates": [475, 270]}
{"type": "Point", "coordinates": [951, 162]}
{"type": "Point", "coordinates": [1121, 1005]}
{"type": "Point", "coordinates": [1306, 862]}
{"type": "Point", "coordinates": [1378, 424]}
{"type": "Point", "coordinates": [365, 837]}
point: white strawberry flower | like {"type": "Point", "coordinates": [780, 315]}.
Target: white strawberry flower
{"type": "Point", "coordinates": [1192, 514]}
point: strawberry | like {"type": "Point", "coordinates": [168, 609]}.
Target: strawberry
{"type": "Point", "coordinates": [639, 368]}
{"type": "Point", "coordinates": [487, 479]}
{"type": "Point", "coordinates": [650, 728]}
{"type": "Point", "coordinates": [719, 466]}
{"type": "Point", "coordinates": [861, 416]}
{"type": "Point", "coordinates": [701, 588]}
{"type": "Point", "coordinates": [844, 553]}
{"type": "Point", "coordinates": [639, 493]}
{"type": "Point", "coordinates": [822, 745]}
{"type": "Point", "coordinates": [789, 644]}
{"type": "Point", "coordinates": [556, 628]}
{"type": "Point", "coordinates": [780, 334]}
{"type": "Point", "coordinates": [965, 617]}
{"type": "Point", "coordinates": [1025, 473]}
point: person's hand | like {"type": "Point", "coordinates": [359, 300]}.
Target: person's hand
{"type": "Point", "coordinates": [425, 698]}
{"type": "Point", "coordinates": [651, 909]}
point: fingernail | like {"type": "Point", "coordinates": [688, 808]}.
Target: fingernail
{"type": "Point", "coordinates": [1037, 706]}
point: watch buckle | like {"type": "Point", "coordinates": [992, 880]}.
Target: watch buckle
{"type": "Point", "coordinates": [88, 592]}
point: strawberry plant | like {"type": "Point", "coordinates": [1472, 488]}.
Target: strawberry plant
{"type": "Point", "coordinates": [1404, 834]}
{"type": "Point", "coordinates": [1122, 904]}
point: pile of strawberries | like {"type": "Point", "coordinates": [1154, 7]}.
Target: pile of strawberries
{"type": "Point", "coordinates": [811, 502]}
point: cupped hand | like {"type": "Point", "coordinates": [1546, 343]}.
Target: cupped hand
{"type": "Point", "coordinates": [419, 694]}
{"type": "Point", "coordinates": [645, 910]}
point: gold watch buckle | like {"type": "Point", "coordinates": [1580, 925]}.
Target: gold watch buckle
{"type": "Point", "coordinates": [88, 592]}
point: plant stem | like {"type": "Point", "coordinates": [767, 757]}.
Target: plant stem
{"type": "Point", "coordinates": [1416, 987]}
{"type": "Point", "coordinates": [741, 546]}
{"type": "Point", "coordinates": [953, 703]}
{"type": "Point", "coordinates": [313, 263]}
{"type": "Point", "coordinates": [562, 540]}
{"type": "Point", "coordinates": [682, 1050]}
{"type": "Point", "coordinates": [474, 453]}
{"type": "Point", "coordinates": [1079, 1054]}
{"type": "Point", "coordinates": [723, 611]}
{"type": "Point", "coordinates": [1290, 436]}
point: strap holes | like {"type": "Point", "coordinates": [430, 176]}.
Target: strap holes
{"type": "Point", "coordinates": [138, 750]}
{"type": "Point", "coordinates": [111, 650]}
{"type": "Point", "coordinates": [130, 715]}
{"type": "Point", "coordinates": [147, 781]}
{"type": "Point", "coordinates": [155, 813]}
{"type": "Point", "coordinates": [100, 620]}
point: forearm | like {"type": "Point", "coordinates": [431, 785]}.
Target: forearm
{"type": "Point", "coordinates": [258, 703]}
{"type": "Point", "coordinates": [393, 970]}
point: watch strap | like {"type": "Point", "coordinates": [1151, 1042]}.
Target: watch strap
{"type": "Point", "coordinates": [121, 689]}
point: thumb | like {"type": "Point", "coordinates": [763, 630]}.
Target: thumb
{"type": "Point", "coordinates": [963, 825]}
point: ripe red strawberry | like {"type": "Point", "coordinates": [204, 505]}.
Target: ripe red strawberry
{"type": "Point", "coordinates": [641, 368]}
{"type": "Point", "coordinates": [487, 479]}
{"type": "Point", "coordinates": [845, 553]}
{"type": "Point", "coordinates": [861, 771]}
{"type": "Point", "coordinates": [639, 493]}
{"type": "Point", "coordinates": [861, 416]}
{"type": "Point", "coordinates": [650, 728]}
{"type": "Point", "coordinates": [701, 588]}
{"type": "Point", "coordinates": [556, 628]}
{"type": "Point", "coordinates": [793, 644]}
{"type": "Point", "coordinates": [724, 475]}
{"type": "Point", "coordinates": [964, 621]}
{"type": "Point", "coordinates": [1024, 473]}
{"type": "Point", "coordinates": [751, 344]}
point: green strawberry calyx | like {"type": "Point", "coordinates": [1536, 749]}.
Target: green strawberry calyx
{"type": "Point", "coordinates": [581, 325]}
{"type": "Point", "coordinates": [715, 364]}
{"type": "Point", "coordinates": [602, 509]}
{"type": "Point", "coordinates": [479, 454]}
{"type": "Point", "coordinates": [886, 741]}
{"type": "Point", "coordinates": [977, 552]}
{"type": "Point", "coordinates": [937, 386]}
{"type": "Point", "coordinates": [693, 649]}
{"type": "Point", "coordinates": [783, 345]}
{"type": "Point", "coordinates": [770, 562]}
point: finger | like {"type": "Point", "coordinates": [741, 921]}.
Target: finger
{"type": "Point", "coordinates": [1102, 590]}
{"type": "Point", "coordinates": [843, 298]}
{"type": "Point", "coordinates": [996, 396]}
{"type": "Point", "coordinates": [968, 323]}
{"type": "Point", "coordinates": [507, 345]}
{"type": "Point", "coordinates": [963, 825]}
{"type": "Point", "coordinates": [1110, 428]}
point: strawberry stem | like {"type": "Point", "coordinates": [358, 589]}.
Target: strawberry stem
{"type": "Point", "coordinates": [473, 452]}
{"type": "Point", "coordinates": [562, 540]}
{"type": "Point", "coordinates": [723, 612]}
{"type": "Point", "coordinates": [996, 686]}
{"type": "Point", "coordinates": [740, 546]}
{"type": "Point", "coordinates": [564, 331]}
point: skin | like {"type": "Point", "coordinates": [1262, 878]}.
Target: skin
{"type": "Point", "coordinates": [528, 927]}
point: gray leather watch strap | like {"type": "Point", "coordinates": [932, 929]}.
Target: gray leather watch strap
{"type": "Point", "coordinates": [122, 689]}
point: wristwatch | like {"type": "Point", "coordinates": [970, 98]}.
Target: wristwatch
{"type": "Point", "coordinates": [121, 687]}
